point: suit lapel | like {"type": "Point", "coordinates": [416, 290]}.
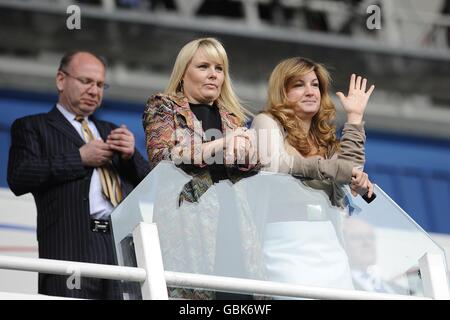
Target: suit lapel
{"type": "Point", "coordinates": [60, 123]}
{"type": "Point", "coordinates": [102, 128]}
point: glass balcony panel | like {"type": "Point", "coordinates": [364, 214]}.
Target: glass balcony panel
{"type": "Point", "coordinates": [276, 227]}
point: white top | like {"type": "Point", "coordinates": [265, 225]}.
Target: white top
{"type": "Point", "coordinates": [300, 242]}
{"type": "Point", "coordinates": [99, 206]}
{"type": "Point", "coordinates": [276, 154]}
{"type": "Point", "coordinates": [271, 145]}
{"type": "Point", "coordinates": [306, 253]}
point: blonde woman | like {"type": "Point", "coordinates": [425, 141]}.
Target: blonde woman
{"type": "Point", "coordinates": [198, 123]}
{"type": "Point", "coordinates": [297, 136]}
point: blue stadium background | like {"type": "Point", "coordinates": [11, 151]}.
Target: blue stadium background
{"type": "Point", "coordinates": [414, 171]}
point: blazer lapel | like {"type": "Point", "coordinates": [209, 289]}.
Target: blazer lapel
{"type": "Point", "coordinates": [60, 123]}
{"type": "Point", "coordinates": [229, 120]}
{"type": "Point", "coordinates": [104, 130]}
{"type": "Point", "coordinates": [101, 127]}
{"type": "Point", "coordinates": [182, 107]}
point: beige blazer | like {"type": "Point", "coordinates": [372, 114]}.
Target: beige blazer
{"type": "Point", "coordinates": [277, 155]}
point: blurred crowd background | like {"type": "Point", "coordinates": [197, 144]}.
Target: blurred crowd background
{"type": "Point", "coordinates": [408, 59]}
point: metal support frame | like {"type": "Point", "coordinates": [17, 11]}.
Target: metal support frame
{"type": "Point", "coordinates": [148, 257]}
{"type": "Point", "coordinates": [434, 276]}
{"type": "Point", "coordinates": [84, 269]}
{"type": "Point", "coordinates": [270, 288]}
{"type": "Point", "coordinates": [155, 280]}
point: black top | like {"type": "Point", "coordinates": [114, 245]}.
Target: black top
{"type": "Point", "coordinates": [210, 119]}
{"type": "Point", "coordinates": [209, 116]}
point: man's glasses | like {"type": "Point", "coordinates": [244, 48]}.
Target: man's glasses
{"type": "Point", "coordinates": [88, 82]}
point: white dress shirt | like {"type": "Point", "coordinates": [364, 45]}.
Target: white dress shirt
{"type": "Point", "coordinates": [99, 206]}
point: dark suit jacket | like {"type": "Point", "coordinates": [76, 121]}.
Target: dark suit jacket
{"type": "Point", "coordinates": [44, 159]}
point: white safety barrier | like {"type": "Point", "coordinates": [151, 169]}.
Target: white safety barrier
{"type": "Point", "coordinates": [154, 280]}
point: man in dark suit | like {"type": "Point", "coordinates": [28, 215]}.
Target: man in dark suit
{"type": "Point", "coordinates": [77, 168]}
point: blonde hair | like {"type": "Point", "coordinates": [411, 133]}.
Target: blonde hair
{"type": "Point", "coordinates": [215, 51]}
{"type": "Point", "coordinates": [322, 131]}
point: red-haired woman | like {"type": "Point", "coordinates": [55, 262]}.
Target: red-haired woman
{"type": "Point", "coordinates": [296, 135]}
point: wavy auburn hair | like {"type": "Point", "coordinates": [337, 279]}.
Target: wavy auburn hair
{"type": "Point", "coordinates": [323, 130]}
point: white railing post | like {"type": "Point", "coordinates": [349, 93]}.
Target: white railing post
{"type": "Point", "coordinates": [148, 257]}
{"type": "Point", "coordinates": [434, 276]}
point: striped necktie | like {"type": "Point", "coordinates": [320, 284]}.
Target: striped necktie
{"type": "Point", "coordinates": [109, 179]}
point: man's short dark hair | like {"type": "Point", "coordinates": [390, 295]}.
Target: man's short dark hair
{"type": "Point", "coordinates": [68, 56]}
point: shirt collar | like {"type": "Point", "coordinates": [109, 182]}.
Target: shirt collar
{"type": "Point", "coordinates": [67, 114]}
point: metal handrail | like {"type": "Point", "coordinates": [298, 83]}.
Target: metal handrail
{"type": "Point", "coordinates": [189, 280]}
{"type": "Point", "coordinates": [271, 288]}
{"type": "Point", "coordinates": [69, 267]}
